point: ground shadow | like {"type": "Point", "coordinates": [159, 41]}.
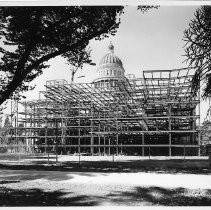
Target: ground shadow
{"type": "Point", "coordinates": [36, 197]}
{"type": "Point", "coordinates": [162, 196]}
{"type": "Point", "coordinates": [16, 156]}
{"type": "Point", "coordinates": [140, 196]}
{"type": "Point", "coordinates": [12, 176]}
{"type": "Point", "coordinates": [9, 181]}
{"type": "Point", "coordinates": [172, 166]}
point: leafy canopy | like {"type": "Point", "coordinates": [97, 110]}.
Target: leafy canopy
{"type": "Point", "coordinates": [198, 49]}
{"type": "Point", "coordinates": [30, 36]}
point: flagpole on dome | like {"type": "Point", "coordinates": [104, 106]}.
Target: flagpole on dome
{"type": "Point", "coordinates": [111, 47]}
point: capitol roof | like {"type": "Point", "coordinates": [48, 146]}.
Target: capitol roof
{"type": "Point", "coordinates": [110, 58]}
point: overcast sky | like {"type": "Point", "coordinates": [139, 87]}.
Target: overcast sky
{"type": "Point", "coordinates": [152, 40]}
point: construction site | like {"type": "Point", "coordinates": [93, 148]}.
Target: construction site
{"type": "Point", "coordinates": [154, 115]}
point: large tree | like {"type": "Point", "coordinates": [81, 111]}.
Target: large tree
{"type": "Point", "coordinates": [76, 61]}
{"type": "Point", "coordinates": [198, 48]}
{"type": "Point", "coordinates": [30, 36]}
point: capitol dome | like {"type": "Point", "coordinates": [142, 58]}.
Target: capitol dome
{"type": "Point", "coordinates": [110, 69]}
{"type": "Point", "coordinates": [110, 58]}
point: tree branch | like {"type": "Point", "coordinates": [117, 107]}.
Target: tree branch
{"type": "Point", "coordinates": [20, 75]}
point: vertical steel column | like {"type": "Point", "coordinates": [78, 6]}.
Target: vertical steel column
{"type": "Point", "coordinates": [117, 135]}
{"type": "Point", "coordinates": [46, 128]}
{"type": "Point", "coordinates": [16, 127]}
{"type": "Point", "coordinates": [149, 151]}
{"type": "Point", "coordinates": [169, 118]}
{"type": "Point", "coordinates": [25, 125]}
{"type": "Point", "coordinates": [39, 120]}
{"type": "Point", "coordinates": [34, 116]}
{"type": "Point", "coordinates": [169, 113]}
{"type": "Point", "coordinates": [117, 143]}
{"type": "Point", "coordinates": [145, 99]}
{"type": "Point", "coordinates": [199, 132]}
{"type": "Point", "coordinates": [10, 130]}
{"type": "Point", "coordinates": [14, 122]}
{"type": "Point", "coordinates": [19, 146]}
{"type": "Point", "coordinates": [62, 122]}
{"type": "Point", "coordinates": [99, 139]}
{"type": "Point", "coordinates": [142, 144]}
{"type": "Point", "coordinates": [46, 140]}
{"type": "Point", "coordinates": [92, 129]}
{"type": "Point", "coordinates": [199, 143]}
{"type": "Point", "coordinates": [56, 121]}
{"type": "Point", "coordinates": [121, 139]}
{"type": "Point", "coordinates": [16, 141]}
{"type": "Point", "coordinates": [79, 129]}
{"type": "Point", "coordinates": [30, 125]}
{"type": "Point", "coordinates": [104, 140]}
{"type": "Point", "coordinates": [104, 129]}
{"type": "Point", "coordinates": [109, 143]}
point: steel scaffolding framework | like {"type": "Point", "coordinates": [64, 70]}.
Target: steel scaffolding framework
{"type": "Point", "coordinates": [152, 115]}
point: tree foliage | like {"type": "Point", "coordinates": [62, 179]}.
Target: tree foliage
{"type": "Point", "coordinates": [32, 35]}
{"type": "Point", "coordinates": [77, 59]}
{"type": "Point", "coordinates": [198, 49]}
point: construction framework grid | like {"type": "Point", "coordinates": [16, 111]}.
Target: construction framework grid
{"type": "Point", "coordinates": [153, 115]}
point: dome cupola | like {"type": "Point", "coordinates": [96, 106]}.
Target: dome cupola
{"type": "Point", "coordinates": [110, 67]}
{"type": "Point", "coordinates": [110, 58]}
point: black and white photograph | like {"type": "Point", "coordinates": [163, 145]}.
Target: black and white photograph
{"type": "Point", "coordinates": [105, 104]}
